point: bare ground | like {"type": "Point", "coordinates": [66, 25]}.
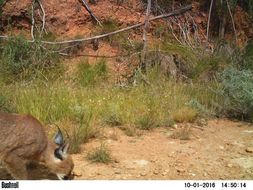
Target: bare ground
{"type": "Point", "coordinates": [223, 150]}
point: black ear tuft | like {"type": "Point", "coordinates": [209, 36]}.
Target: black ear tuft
{"type": "Point", "coordinates": [58, 153]}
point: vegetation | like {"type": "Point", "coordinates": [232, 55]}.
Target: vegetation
{"type": "Point", "coordinates": [33, 81]}
{"type": "Point", "coordinates": [88, 74]}
{"type": "Point", "coordinates": [22, 60]}
{"type": "Point", "coordinates": [237, 90]}
{"type": "Point", "coordinates": [100, 154]}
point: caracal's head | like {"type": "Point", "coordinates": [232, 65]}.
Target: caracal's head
{"type": "Point", "coordinates": [60, 162]}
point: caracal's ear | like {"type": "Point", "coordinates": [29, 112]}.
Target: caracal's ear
{"type": "Point", "coordinates": [65, 149]}
{"type": "Point", "coordinates": [58, 138]}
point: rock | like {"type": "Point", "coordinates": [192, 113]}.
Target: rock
{"type": "Point", "coordinates": [180, 170]}
{"type": "Point", "coordinates": [98, 173]}
{"type": "Point", "coordinates": [117, 172]}
{"type": "Point", "coordinates": [205, 174]}
{"type": "Point", "coordinates": [202, 122]}
{"type": "Point", "coordinates": [153, 160]}
{"type": "Point", "coordinates": [75, 173]}
{"type": "Point", "coordinates": [141, 163]}
{"type": "Point", "coordinates": [230, 165]}
{"type": "Point", "coordinates": [249, 149]}
{"type": "Point", "coordinates": [192, 174]}
{"type": "Point", "coordinates": [156, 172]}
{"type": "Point", "coordinates": [144, 173]}
{"type": "Point", "coordinates": [164, 173]}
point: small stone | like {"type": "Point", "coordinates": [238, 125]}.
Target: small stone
{"type": "Point", "coordinates": [156, 172]}
{"type": "Point", "coordinates": [164, 173]}
{"type": "Point", "coordinates": [180, 170]}
{"type": "Point", "coordinates": [230, 165]}
{"type": "Point", "coordinates": [117, 172]}
{"type": "Point", "coordinates": [98, 173]}
{"type": "Point", "coordinates": [143, 173]}
{"type": "Point", "coordinates": [77, 174]}
{"type": "Point", "coordinates": [249, 149]}
{"type": "Point", "coordinates": [192, 174]}
{"type": "Point", "coordinates": [205, 174]}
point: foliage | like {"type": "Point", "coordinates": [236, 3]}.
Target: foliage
{"type": "Point", "coordinates": [4, 103]}
{"type": "Point", "coordinates": [111, 116]}
{"type": "Point", "coordinates": [89, 75]}
{"type": "Point", "coordinates": [22, 60]}
{"type": "Point", "coordinates": [100, 154]}
{"type": "Point", "coordinates": [237, 91]}
{"type": "Point", "coordinates": [184, 114]}
{"type": "Point", "coordinates": [48, 104]}
{"type": "Point", "coordinates": [247, 56]}
{"type": "Point", "coordinates": [82, 131]}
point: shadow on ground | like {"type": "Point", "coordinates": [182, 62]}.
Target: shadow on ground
{"type": "Point", "coordinates": [35, 172]}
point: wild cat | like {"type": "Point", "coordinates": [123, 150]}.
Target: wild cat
{"type": "Point", "coordinates": [23, 139]}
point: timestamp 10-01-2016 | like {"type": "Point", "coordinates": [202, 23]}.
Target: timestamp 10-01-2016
{"type": "Point", "coordinates": [216, 185]}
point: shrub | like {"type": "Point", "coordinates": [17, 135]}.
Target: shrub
{"type": "Point", "coordinates": [181, 133]}
{"type": "Point", "coordinates": [112, 117]}
{"type": "Point", "coordinates": [50, 105]}
{"type": "Point", "coordinates": [81, 132]}
{"type": "Point", "coordinates": [89, 75]}
{"type": "Point", "coordinates": [21, 59]}
{"type": "Point", "coordinates": [147, 121]}
{"type": "Point", "coordinates": [237, 91]}
{"type": "Point", "coordinates": [100, 154]}
{"type": "Point", "coordinates": [4, 104]}
{"type": "Point", "coordinates": [184, 114]}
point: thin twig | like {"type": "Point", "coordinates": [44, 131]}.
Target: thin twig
{"type": "Point", "coordinates": [232, 19]}
{"type": "Point", "coordinates": [145, 30]}
{"type": "Point", "coordinates": [86, 6]}
{"type": "Point", "coordinates": [43, 17]}
{"type": "Point", "coordinates": [33, 22]}
{"type": "Point", "coordinates": [208, 22]}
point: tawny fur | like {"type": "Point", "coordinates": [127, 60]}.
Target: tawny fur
{"type": "Point", "coordinates": [23, 139]}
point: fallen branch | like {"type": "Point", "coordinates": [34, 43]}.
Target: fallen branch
{"type": "Point", "coordinates": [86, 6]}
{"type": "Point", "coordinates": [173, 13]}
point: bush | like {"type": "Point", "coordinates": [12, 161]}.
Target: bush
{"type": "Point", "coordinates": [184, 114]}
{"type": "Point", "coordinates": [4, 104]}
{"type": "Point", "coordinates": [112, 116]}
{"type": "Point", "coordinates": [89, 75]}
{"type": "Point", "coordinates": [81, 132]}
{"type": "Point", "coordinates": [237, 90]}
{"type": "Point", "coordinates": [147, 121]}
{"type": "Point", "coordinates": [100, 154]}
{"type": "Point", "coordinates": [21, 59]}
{"type": "Point", "coordinates": [49, 104]}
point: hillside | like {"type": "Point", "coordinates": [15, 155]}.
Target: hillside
{"type": "Point", "coordinates": [177, 105]}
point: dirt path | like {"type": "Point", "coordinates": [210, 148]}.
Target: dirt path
{"type": "Point", "coordinates": [223, 150]}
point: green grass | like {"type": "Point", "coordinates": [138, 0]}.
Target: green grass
{"type": "Point", "coordinates": [89, 75]}
{"type": "Point", "coordinates": [21, 60]}
{"type": "Point", "coordinates": [100, 155]}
